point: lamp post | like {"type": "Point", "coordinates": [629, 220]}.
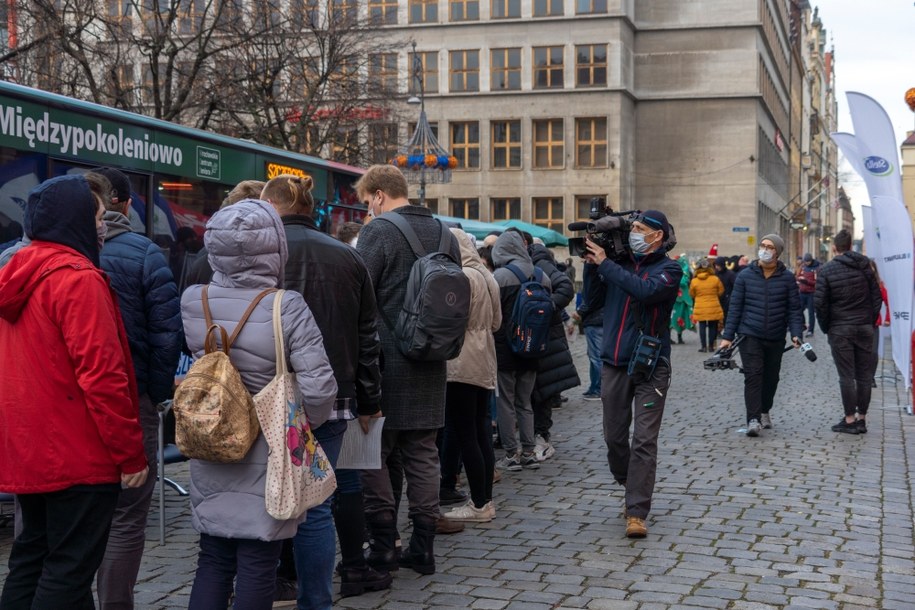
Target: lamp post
{"type": "Point", "coordinates": [426, 159]}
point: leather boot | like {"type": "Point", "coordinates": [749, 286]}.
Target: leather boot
{"type": "Point", "coordinates": [382, 554]}
{"type": "Point", "coordinates": [420, 556]}
{"type": "Point", "coordinates": [356, 581]}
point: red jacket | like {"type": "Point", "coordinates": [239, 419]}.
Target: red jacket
{"type": "Point", "coordinates": [68, 400]}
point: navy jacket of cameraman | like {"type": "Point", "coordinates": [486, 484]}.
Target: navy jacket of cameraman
{"type": "Point", "coordinates": [764, 308]}
{"type": "Point", "coordinates": [648, 285]}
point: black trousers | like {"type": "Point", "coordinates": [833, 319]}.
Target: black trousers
{"type": "Point", "coordinates": [853, 352]}
{"type": "Point", "coordinates": [762, 363]}
{"type": "Point", "coordinates": [708, 332]}
{"type": "Point", "coordinates": [468, 437]}
{"type": "Point", "coordinates": [54, 560]}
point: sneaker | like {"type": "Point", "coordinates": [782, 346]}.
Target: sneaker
{"type": "Point", "coordinates": [766, 421]}
{"type": "Point", "coordinates": [469, 512]}
{"type": "Point", "coordinates": [636, 528]}
{"type": "Point", "coordinates": [847, 428]}
{"type": "Point", "coordinates": [510, 462]}
{"type": "Point", "coordinates": [447, 497]}
{"type": "Point", "coordinates": [446, 526]}
{"type": "Point", "coordinates": [543, 450]}
{"type": "Point", "coordinates": [285, 593]}
{"type": "Point", "coordinates": [861, 425]}
{"type": "Point", "coordinates": [491, 509]}
{"type": "Point", "coordinates": [529, 460]}
{"type": "Point", "coordinates": [591, 395]}
{"type": "Point", "coordinates": [753, 428]}
{"type": "Point", "coordinates": [810, 334]}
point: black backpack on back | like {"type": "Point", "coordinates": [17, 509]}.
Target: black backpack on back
{"type": "Point", "coordinates": [436, 306]}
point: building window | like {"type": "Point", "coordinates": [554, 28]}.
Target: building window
{"type": "Point", "coordinates": [423, 11]}
{"type": "Point", "coordinates": [591, 65]}
{"type": "Point", "coordinates": [429, 62]}
{"type": "Point", "coordinates": [383, 142]}
{"type": "Point", "coordinates": [547, 8]}
{"type": "Point", "coordinates": [548, 69]}
{"type": "Point", "coordinates": [345, 145]}
{"type": "Point", "coordinates": [505, 69]}
{"type": "Point", "coordinates": [432, 204]}
{"type": "Point", "coordinates": [583, 206]}
{"type": "Point", "coordinates": [468, 208]}
{"type": "Point", "coordinates": [383, 12]}
{"type": "Point", "coordinates": [585, 7]}
{"type": "Point", "coordinates": [548, 212]}
{"type": "Point", "coordinates": [465, 71]}
{"type": "Point", "coordinates": [433, 125]}
{"type": "Point", "coordinates": [465, 10]}
{"type": "Point", "coordinates": [505, 208]}
{"type": "Point", "coordinates": [345, 11]}
{"type": "Point", "coordinates": [383, 72]}
{"type": "Point", "coordinates": [506, 9]}
{"type": "Point", "coordinates": [591, 142]}
{"type": "Point", "coordinates": [305, 13]}
{"type": "Point", "coordinates": [120, 15]}
{"type": "Point", "coordinates": [465, 144]}
{"type": "Point", "coordinates": [506, 144]}
{"type": "Point", "coordinates": [548, 143]}
{"type": "Point", "coordinates": [190, 16]}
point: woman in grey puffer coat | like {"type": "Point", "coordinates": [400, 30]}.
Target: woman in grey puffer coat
{"type": "Point", "coordinates": [246, 247]}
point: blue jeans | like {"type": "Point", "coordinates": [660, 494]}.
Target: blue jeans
{"type": "Point", "coordinates": [595, 337]}
{"type": "Point", "coordinates": [315, 542]}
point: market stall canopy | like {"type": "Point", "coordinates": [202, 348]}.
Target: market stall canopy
{"type": "Point", "coordinates": [549, 236]}
{"type": "Point", "coordinates": [473, 227]}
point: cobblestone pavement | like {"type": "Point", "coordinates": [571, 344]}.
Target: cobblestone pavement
{"type": "Point", "coordinates": [799, 518]}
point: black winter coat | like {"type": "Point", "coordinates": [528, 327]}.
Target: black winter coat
{"type": "Point", "coordinates": [764, 308]}
{"type": "Point", "coordinates": [555, 370]}
{"type": "Point", "coordinates": [847, 292]}
{"type": "Point", "coordinates": [593, 295]}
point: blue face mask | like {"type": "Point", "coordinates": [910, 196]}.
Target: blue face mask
{"type": "Point", "coordinates": [638, 244]}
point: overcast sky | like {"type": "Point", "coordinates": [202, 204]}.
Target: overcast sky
{"type": "Point", "coordinates": [875, 55]}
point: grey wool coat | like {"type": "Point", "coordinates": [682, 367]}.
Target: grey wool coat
{"type": "Point", "coordinates": [246, 246]}
{"type": "Point", "coordinates": [412, 392]}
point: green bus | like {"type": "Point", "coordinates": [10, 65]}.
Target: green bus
{"type": "Point", "coordinates": [179, 175]}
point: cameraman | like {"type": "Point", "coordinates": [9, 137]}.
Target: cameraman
{"type": "Point", "coordinates": [765, 302]}
{"type": "Point", "coordinates": [641, 290]}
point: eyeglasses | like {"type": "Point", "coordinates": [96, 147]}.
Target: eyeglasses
{"type": "Point", "coordinates": [768, 247]}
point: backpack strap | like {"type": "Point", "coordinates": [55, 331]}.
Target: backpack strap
{"type": "Point", "coordinates": [227, 343]}
{"type": "Point", "coordinates": [407, 231]}
{"type": "Point", "coordinates": [538, 273]}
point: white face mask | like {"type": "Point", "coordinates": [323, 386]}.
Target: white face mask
{"type": "Point", "coordinates": [766, 256]}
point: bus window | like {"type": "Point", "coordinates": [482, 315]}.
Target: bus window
{"type": "Point", "coordinates": [19, 173]}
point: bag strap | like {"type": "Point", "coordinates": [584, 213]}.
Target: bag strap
{"type": "Point", "coordinates": [407, 231]}
{"type": "Point", "coordinates": [537, 275]}
{"type": "Point", "coordinates": [281, 366]}
{"type": "Point", "coordinates": [208, 316]}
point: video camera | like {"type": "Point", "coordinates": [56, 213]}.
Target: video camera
{"type": "Point", "coordinates": [606, 228]}
{"type": "Point", "coordinates": [723, 359]}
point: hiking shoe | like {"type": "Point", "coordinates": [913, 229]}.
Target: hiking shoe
{"type": "Point", "coordinates": [847, 428]}
{"type": "Point", "coordinates": [636, 528]}
{"type": "Point", "coordinates": [510, 462]}
{"type": "Point", "coordinates": [861, 425]}
{"type": "Point", "coordinates": [529, 460]}
{"type": "Point", "coordinates": [543, 450]}
{"type": "Point", "coordinates": [591, 396]}
{"type": "Point", "coordinates": [765, 421]}
{"type": "Point", "coordinates": [444, 525]}
{"type": "Point", "coordinates": [447, 497]}
{"type": "Point", "coordinates": [753, 428]}
{"type": "Point", "coordinates": [469, 512]}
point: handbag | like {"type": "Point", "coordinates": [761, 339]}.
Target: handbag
{"type": "Point", "coordinates": [299, 475]}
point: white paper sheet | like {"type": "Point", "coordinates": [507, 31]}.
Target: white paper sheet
{"type": "Point", "coordinates": [361, 451]}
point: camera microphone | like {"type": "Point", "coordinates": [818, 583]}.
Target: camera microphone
{"type": "Point", "coordinates": [578, 226]}
{"type": "Point", "coordinates": [808, 352]}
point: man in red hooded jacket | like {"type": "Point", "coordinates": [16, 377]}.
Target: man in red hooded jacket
{"type": "Point", "coordinates": [69, 435]}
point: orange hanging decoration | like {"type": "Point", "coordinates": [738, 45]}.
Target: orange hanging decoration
{"type": "Point", "coordinates": [431, 160]}
{"type": "Point", "coordinates": [910, 98]}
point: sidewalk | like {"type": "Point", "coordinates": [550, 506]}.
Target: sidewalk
{"type": "Point", "coordinates": [799, 518]}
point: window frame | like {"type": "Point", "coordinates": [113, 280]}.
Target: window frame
{"type": "Point", "coordinates": [511, 211]}
{"type": "Point", "coordinates": [508, 146]}
{"type": "Point", "coordinates": [380, 12]}
{"type": "Point", "coordinates": [466, 74]}
{"type": "Point", "coordinates": [507, 7]}
{"type": "Point", "coordinates": [506, 71]}
{"type": "Point", "coordinates": [592, 144]}
{"type": "Point", "coordinates": [465, 6]}
{"type": "Point", "coordinates": [548, 8]}
{"type": "Point", "coordinates": [428, 73]}
{"type": "Point", "coordinates": [592, 67]}
{"type": "Point", "coordinates": [384, 74]}
{"type": "Point", "coordinates": [550, 144]}
{"type": "Point", "coordinates": [464, 150]}
{"type": "Point", "coordinates": [549, 68]}
{"type": "Point", "coordinates": [595, 7]}
{"type": "Point", "coordinates": [427, 9]}
{"type": "Point", "coordinates": [465, 202]}
{"type": "Point", "coordinates": [550, 221]}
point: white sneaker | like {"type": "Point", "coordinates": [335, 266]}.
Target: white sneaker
{"type": "Point", "coordinates": [469, 512]}
{"type": "Point", "coordinates": [766, 421]}
{"type": "Point", "coordinates": [543, 449]}
{"type": "Point", "coordinates": [753, 428]}
{"type": "Point", "coordinates": [490, 508]}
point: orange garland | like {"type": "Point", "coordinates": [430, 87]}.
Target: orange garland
{"type": "Point", "coordinates": [910, 98]}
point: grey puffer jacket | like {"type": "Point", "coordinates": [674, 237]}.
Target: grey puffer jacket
{"type": "Point", "coordinates": [510, 249]}
{"type": "Point", "coordinates": [247, 250]}
{"type": "Point", "coordinates": [476, 364]}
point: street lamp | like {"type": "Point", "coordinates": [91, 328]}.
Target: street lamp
{"type": "Point", "coordinates": [423, 158]}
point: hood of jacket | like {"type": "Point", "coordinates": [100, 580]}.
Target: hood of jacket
{"type": "Point", "coordinates": [62, 210]}
{"type": "Point", "coordinates": [855, 260]}
{"type": "Point", "coordinates": [118, 224]}
{"type": "Point", "coordinates": [539, 252]}
{"type": "Point", "coordinates": [246, 245]}
{"type": "Point", "coordinates": [703, 273]}
{"type": "Point", "coordinates": [28, 269]}
{"type": "Point", "coordinates": [469, 255]}
{"type": "Point", "coordinates": [510, 248]}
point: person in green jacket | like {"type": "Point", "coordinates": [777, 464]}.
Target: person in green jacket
{"type": "Point", "coordinates": [681, 317]}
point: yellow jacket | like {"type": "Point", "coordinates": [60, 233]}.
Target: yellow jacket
{"type": "Point", "coordinates": [705, 289]}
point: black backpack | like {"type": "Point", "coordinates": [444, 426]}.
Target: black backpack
{"type": "Point", "coordinates": [529, 324]}
{"type": "Point", "coordinates": [436, 306]}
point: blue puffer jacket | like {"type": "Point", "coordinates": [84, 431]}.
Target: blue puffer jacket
{"type": "Point", "coordinates": [148, 297]}
{"type": "Point", "coordinates": [764, 308]}
{"type": "Point", "coordinates": [652, 283]}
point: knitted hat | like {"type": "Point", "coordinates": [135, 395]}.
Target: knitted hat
{"type": "Point", "coordinates": [655, 220]}
{"type": "Point", "coordinates": [777, 241]}
{"type": "Point", "coordinates": [808, 257]}
{"type": "Point", "coordinates": [713, 251]}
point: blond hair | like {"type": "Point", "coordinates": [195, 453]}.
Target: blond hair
{"type": "Point", "coordinates": [288, 193]}
{"type": "Point", "coordinates": [385, 178]}
{"type": "Point", "coordinates": [246, 189]}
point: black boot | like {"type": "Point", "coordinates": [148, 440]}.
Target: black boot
{"type": "Point", "coordinates": [356, 581]}
{"type": "Point", "coordinates": [420, 555]}
{"type": "Point", "coordinates": [382, 554]}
